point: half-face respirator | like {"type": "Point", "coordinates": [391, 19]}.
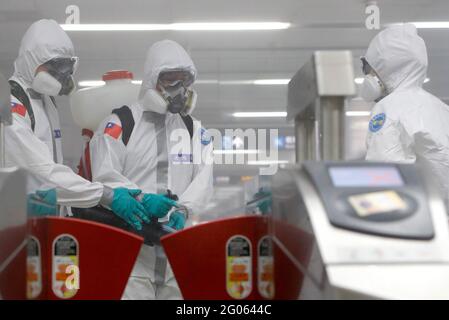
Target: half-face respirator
{"type": "Point", "coordinates": [173, 94]}
{"type": "Point", "coordinates": [56, 78]}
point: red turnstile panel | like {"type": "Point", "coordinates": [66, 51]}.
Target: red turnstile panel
{"type": "Point", "coordinates": [229, 259]}
{"type": "Point", "coordinates": [78, 259]}
{"type": "Point", "coordinates": [299, 245]}
{"type": "Point", "coordinates": [12, 258]}
{"type": "Point", "coordinates": [199, 258]}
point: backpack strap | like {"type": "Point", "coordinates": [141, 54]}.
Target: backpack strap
{"type": "Point", "coordinates": [188, 121]}
{"type": "Point", "coordinates": [53, 100]}
{"type": "Point", "coordinates": [126, 118]}
{"type": "Point", "coordinates": [20, 94]}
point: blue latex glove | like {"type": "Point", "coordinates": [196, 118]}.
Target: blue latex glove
{"type": "Point", "coordinates": [265, 204]}
{"type": "Point", "coordinates": [157, 205]}
{"type": "Point", "coordinates": [42, 203]}
{"type": "Point", "coordinates": [128, 208]}
{"type": "Point", "coordinates": [177, 221]}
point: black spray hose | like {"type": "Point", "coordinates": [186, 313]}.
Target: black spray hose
{"type": "Point", "coordinates": [151, 232]}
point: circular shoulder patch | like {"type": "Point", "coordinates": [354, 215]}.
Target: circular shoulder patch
{"type": "Point", "coordinates": [377, 122]}
{"type": "Point", "coordinates": [205, 137]}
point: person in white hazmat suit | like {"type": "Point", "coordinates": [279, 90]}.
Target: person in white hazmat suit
{"type": "Point", "coordinates": [149, 157]}
{"type": "Point", "coordinates": [44, 69]}
{"type": "Point", "coordinates": [407, 124]}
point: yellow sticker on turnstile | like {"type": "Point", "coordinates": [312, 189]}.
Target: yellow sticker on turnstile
{"type": "Point", "coordinates": [65, 266]}
{"type": "Point", "coordinates": [238, 267]}
{"type": "Point", "coordinates": [372, 203]}
{"type": "Point", "coordinates": [265, 268]}
{"type": "Point", "coordinates": [34, 268]}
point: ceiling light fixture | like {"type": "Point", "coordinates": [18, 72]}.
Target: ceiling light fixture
{"type": "Point", "coordinates": [278, 114]}
{"type": "Point", "coordinates": [200, 26]}
{"type": "Point", "coordinates": [432, 24]}
{"type": "Point", "coordinates": [257, 82]}
{"type": "Point", "coordinates": [360, 80]}
{"type": "Point", "coordinates": [270, 82]}
{"type": "Point", "coordinates": [263, 82]}
{"type": "Point", "coordinates": [206, 81]}
{"type": "Point", "coordinates": [358, 113]}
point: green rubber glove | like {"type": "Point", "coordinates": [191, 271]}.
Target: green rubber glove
{"type": "Point", "coordinates": [177, 221]}
{"type": "Point", "coordinates": [42, 203]}
{"type": "Point", "coordinates": [128, 208]}
{"type": "Point", "coordinates": [157, 205]}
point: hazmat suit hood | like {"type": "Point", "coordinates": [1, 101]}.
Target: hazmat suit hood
{"type": "Point", "coordinates": [44, 40]}
{"type": "Point", "coordinates": [164, 55]}
{"type": "Point", "coordinates": [399, 57]}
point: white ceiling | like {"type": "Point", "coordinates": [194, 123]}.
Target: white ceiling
{"type": "Point", "coordinates": [317, 24]}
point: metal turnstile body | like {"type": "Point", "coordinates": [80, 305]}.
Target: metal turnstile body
{"type": "Point", "coordinates": [316, 102]}
{"type": "Point", "coordinates": [378, 230]}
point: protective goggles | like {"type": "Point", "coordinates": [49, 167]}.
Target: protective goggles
{"type": "Point", "coordinates": [62, 67]}
{"type": "Point", "coordinates": [174, 78]}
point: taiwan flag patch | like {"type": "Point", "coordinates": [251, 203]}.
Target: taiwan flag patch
{"type": "Point", "coordinates": [112, 129]}
{"type": "Point", "coordinates": [18, 108]}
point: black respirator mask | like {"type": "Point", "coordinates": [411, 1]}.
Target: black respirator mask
{"type": "Point", "coordinates": [173, 93]}
{"type": "Point", "coordinates": [176, 96]}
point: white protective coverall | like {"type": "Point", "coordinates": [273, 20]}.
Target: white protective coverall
{"type": "Point", "coordinates": [409, 124]}
{"type": "Point", "coordinates": [39, 151]}
{"type": "Point", "coordinates": [152, 162]}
